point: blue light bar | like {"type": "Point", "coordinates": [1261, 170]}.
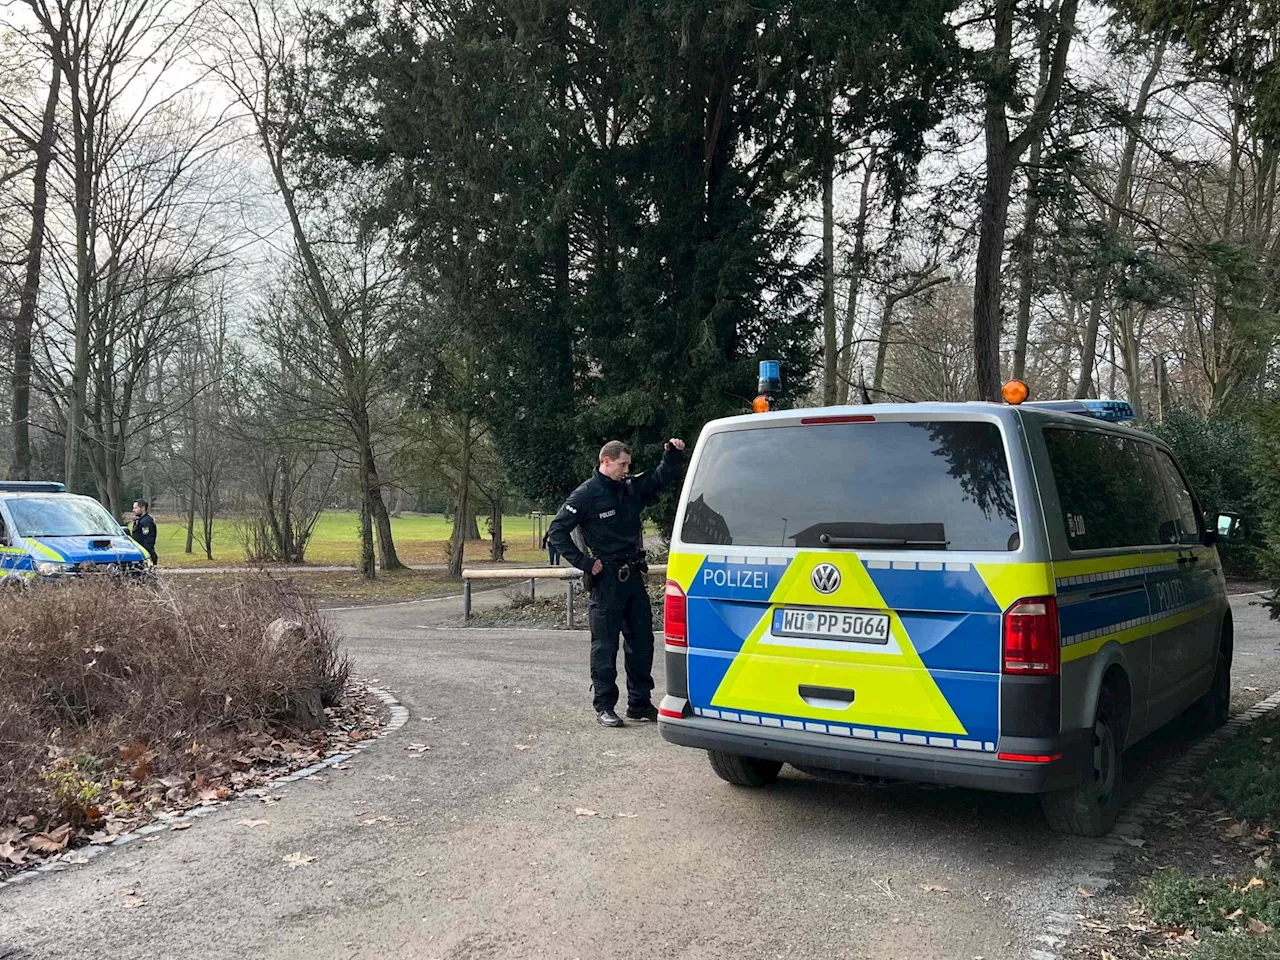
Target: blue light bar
{"type": "Point", "coordinates": [31, 486]}
{"type": "Point", "coordinates": [1113, 411]}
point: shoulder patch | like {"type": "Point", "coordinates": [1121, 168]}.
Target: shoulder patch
{"type": "Point", "coordinates": [570, 508]}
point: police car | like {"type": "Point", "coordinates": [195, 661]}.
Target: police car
{"type": "Point", "coordinates": [999, 596]}
{"type": "Point", "coordinates": [49, 534]}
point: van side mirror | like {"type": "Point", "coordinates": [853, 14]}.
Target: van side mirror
{"type": "Point", "coordinates": [1230, 528]}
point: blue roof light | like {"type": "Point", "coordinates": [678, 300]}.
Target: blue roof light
{"type": "Point", "coordinates": [31, 486]}
{"type": "Point", "coordinates": [1113, 411]}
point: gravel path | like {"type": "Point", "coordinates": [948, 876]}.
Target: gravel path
{"type": "Point", "coordinates": [479, 847]}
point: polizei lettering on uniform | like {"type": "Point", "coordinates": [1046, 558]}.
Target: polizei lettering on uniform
{"type": "Point", "coordinates": [729, 577]}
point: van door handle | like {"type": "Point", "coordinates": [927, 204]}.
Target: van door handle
{"type": "Point", "coordinates": [830, 698]}
{"type": "Point", "coordinates": [1191, 559]}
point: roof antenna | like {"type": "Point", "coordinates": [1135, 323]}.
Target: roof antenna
{"type": "Point", "coordinates": [862, 385]}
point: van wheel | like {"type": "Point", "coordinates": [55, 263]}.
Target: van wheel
{"type": "Point", "coordinates": [1090, 808]}
{"type": "Point", "coordinates": [1213, 710]}
{"type": "Point", "coordinates": [744, 771]}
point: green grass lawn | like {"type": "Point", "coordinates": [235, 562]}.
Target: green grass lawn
{"type": "Point", "coordinates": [419, 538]}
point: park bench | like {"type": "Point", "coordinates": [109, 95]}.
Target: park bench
{"type": "Point", "coordinates": [566, 574]}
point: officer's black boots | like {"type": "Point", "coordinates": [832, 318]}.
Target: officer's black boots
{"type": "Point", "coordinates": [645, 714]}
{"type": "Point", "coordinates": [607, 718]}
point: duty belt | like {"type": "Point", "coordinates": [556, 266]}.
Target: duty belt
{"type": "Point", "coordinates": [626, 567]}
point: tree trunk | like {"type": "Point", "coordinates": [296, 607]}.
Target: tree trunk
{"type": "Point", "coordinates": [830, 390]}
{"type": "Point", "coordinates": [987, 315]}
{"type": "Point", "coordinates": [84, 124]}
{"type": "Point", "coordinates": [1028, 259]}
{"type": "Point", "coordinates": [497, 550]}
{"type": "Point", "coordinates": [191, 515]}
{"type": "Point", "coordinates": [458, 539]}
{"type": "Point", "coordinates": [388, 558]}
{"type": "Point", "coordinates": [1002, 154]}
{"type": "Point", "coordinates": [882, 346]}
{"type": "Point", "coordinates": [20, 463]}
{"type": "Point", "coordinates": [368, 563]}
{"type": "Point", "coordinates": [855, 282]}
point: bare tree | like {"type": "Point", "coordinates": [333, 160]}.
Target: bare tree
{"type": "Point", "coordinates": [263, 63]}
{"type": "Point", "coordinates": [1004, 150]}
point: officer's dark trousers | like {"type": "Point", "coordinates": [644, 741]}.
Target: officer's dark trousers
{"type": "Point", "coordinates": [621, 607]}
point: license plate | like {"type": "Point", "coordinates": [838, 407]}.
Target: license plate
{"type": "Point", "coordinates": [855, 625]}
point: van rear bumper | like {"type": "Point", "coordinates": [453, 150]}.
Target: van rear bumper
{"type": "Point", "coordinates": [896, 761]}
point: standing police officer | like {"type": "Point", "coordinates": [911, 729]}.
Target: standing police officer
{"type": "Point", "coordinates": [144, 529]}
{"type": "Point", "coordinates": [607, 507]}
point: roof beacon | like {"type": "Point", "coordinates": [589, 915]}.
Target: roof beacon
{"type": "Point", "coordinates": [770, 384]}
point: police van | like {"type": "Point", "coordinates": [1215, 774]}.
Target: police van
{"type": "Point", "coordinates": [997, 596]}
{"type": "Point", "coordinates": [48, 534]}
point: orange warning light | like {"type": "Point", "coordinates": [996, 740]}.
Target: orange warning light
{"type": "Point", "coordinates": [1014, 392]}
{"type": "Point", "coordinates": [760, 404]}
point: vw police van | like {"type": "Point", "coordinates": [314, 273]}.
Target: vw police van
{"type": "Point", "coordinates": [992, 596]}
{"type": "Point", "coordinates": [48, 534]}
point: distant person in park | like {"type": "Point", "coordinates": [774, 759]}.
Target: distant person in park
{"type": "Point", "coordinates": [553, 555]}
{"type": "Point", "coordinates": [606, 509]}
{"type": "Point", "coordinates": [144, 528]}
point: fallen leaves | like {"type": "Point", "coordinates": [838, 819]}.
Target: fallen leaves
{"type": "Point", "coordinates": [250, 823]}
{"type": "Point", "coordinates": [54, 841]}
{"type": "Point", "coordinates": [934, 888]}
{"type": "Point", "coordinates": [12, 854]}
{"type": "Point", "coordinates": [584, 812]}
{"type": "Point", "coordinates": [159, 783]}
{"type": "Point", "coordinates": [1134, 842]}
{"type": "Point", "coordinates": [1085, 892]}
{"type": "Point", "coordinates": [1257, 927]}
{"type": "Point", "coordinates": [299, 859]}
{"type": "Point", "coordinates": [376, 820]}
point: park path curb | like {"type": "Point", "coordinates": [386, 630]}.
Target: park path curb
{"type": "Point", "coordinates": [399, 716]}
{"type": "Point", "coordinates": [1100, 855]}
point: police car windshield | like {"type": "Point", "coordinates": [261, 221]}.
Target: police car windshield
{"type": "Point", "coordinates": [926, 485]}
{"type": "Point", "coordinates": [61, 517]}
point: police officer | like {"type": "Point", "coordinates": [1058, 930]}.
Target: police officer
{"type": "Point", "coordinates": [144, 528]}
{"type": "Point", "coordinates": [607, 509]}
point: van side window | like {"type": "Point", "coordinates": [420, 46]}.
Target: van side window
{"type": "Point", "coordinates": [1186, 516]}
{"type": "Point", "coordinates": [1108, 500]}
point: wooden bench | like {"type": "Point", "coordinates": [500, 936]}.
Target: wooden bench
{"type": "Point", "coordinates": [566, 574]}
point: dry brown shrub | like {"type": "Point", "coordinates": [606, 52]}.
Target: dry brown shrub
{"type": "Point", "coordinates": [96, 668]}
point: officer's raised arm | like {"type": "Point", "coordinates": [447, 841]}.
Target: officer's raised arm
{"type": "Point", "coordinates": [561, 528]}
{"type": "Point", "coordinates": [650, 487]}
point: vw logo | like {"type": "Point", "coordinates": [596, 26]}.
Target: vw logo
{"type": "Point", "coordinates": [825, 578]}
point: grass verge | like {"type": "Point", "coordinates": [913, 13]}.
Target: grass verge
{"type": "Point", "coordinates": [1205, 884]}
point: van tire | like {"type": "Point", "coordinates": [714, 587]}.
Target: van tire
{"type": "Point", "coordinates": [1213, 710]}
{"type": "Point", "coordinates": [744, 771]}
{"type": "Point", "coordinates": [1083, 811]}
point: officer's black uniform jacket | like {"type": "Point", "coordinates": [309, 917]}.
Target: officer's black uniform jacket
{"type": "Point", "coordinates": [609, 513]}
{"type": "Point", "coordinates": [144, 532]}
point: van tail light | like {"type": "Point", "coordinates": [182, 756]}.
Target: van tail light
{"type": "Point", "coordinates": [1031, 638]}
{"type": "Point", "coordinates": [676, 616]}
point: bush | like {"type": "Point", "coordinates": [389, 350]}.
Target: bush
{"type": "Point", "coordinates": [1265, 469]}
{"type": "Point", "coordinates": [90, 671]}
{"type": "Point", "coordinates": [1218, 455]}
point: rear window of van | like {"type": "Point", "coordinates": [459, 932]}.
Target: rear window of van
{"type": "Point", "coordinates": [935, 485]}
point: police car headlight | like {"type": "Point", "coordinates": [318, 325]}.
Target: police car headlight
{"type": "Point", "coordinates": [50, 568]}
